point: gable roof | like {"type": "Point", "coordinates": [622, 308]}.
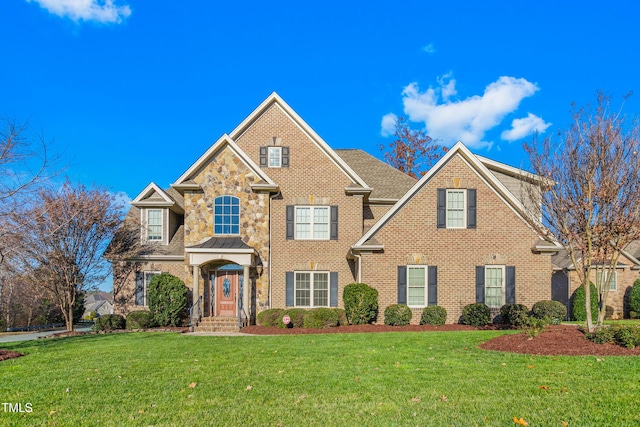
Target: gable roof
{"type": "Point", "coordinates": [185, 180]}
{"type": "Point", "coordinates": [275, 100]}
{"type": "Point", "coordinates": [154, 196]}
{"type": "Point", "coordinates": [385, 181]}
{"type": "Point", "coordinates": [459, 149]}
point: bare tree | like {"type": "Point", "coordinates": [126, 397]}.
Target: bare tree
{"type": "Point", "coordinates": [412, 151]}
{"type": "Point", "coordinates": [68, 232]}
{"type": "Point", "coordinates": [593, 206]}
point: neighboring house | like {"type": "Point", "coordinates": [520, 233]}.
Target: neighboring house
{"type": "Point", "coordinates": [271, 216]}
{"type": "Point", "coordinates": [99, 302]}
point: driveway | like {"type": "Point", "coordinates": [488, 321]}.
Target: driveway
{"type": "Point", "coordinates": [28, 336]}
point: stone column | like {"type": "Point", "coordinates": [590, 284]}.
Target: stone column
{"type": "Point", "coordinates": [246, 291]}
{"type": "Point", "coordinates": [196, 288]}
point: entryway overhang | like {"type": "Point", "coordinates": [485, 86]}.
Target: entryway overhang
{"type": "Point", "coordinates": [231, 249]}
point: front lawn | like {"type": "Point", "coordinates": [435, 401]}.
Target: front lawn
{"type": "Point", "coordinates": [425, 379]}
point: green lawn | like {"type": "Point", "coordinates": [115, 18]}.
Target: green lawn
{"type": "Point", "coordinates": [423, 379]}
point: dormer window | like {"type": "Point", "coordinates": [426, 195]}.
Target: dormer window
{"type": "Point", "coordinates": [154, 225]}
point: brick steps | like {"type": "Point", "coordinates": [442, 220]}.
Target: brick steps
{"type": "Point", "coordinates": [217, 324]}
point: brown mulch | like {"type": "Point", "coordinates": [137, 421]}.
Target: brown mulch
{"type": "Point", "coordinates": [8, 354]}
{"type": "Point", "coordinates": [554, 341]}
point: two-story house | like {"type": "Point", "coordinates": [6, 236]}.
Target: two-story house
{"type": "Point", "coordinates": [271, 216]}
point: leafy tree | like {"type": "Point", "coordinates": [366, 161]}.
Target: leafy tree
{"type": "Point", "coordinates": [412, 151]}
{"type": "Point", "coordinates": [167, 299]}
{"type": "Point", "coordinates": [591, 203]}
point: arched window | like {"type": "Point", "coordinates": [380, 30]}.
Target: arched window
{"type": "Point", "coordinates": [226, 215]}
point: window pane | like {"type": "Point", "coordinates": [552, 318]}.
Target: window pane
{"type": "Point", "coordinates": [274, 157]}
{"type": "Point", "coordinates": [321, 223]}
{"type": "Point", "coordinates": [416, 286]}
{"type": "Point", "coordinates": [416, 296]}
{"type": "Point", "coordinates": [303, 289]}
{"type": "Point", "coordinates": [416, 276]}
{"type": "Point", "coordinates": [154, 224]}
{"type": "Point", "coordinates": [455, 208]}
{"type": "Point", "coordinates": [303, 223]}
{"type": "Point", "coordinates": [493, 286]}
{"type": "Point", "coordinates": [226, 216]}
{"type": "Point", "coordinates": [320, 290]}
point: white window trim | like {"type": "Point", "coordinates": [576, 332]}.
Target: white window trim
{"type": "Point", "coordinates": [615, 279]}
{"type": "Point", "coordinates": [312, 275]}
{"type": "Point", "coordinates": [504, 283]}
{"type": "Point", "coordinates": [279, 149]}
{"type": "Point", "coordinates": [426, 287]}
{"type": "Point", "coordinates": [214, 216]}
{"type": "Point", "coordinates": [464, 207]}
{"type": "Point", "coordinates": [144, 213]}
{"type": "Point", "coordinates": [311, 223]}
{"type": "Point", "coordinates": [145, 302]}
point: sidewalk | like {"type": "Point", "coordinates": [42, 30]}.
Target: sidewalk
{"type": "Point", "coordinates": [28, 336]}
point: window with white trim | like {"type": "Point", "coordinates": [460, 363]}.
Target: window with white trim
{"type": "Point", "coordinates": [312, 222]}
{"type": "Point", "coordinates": [613, 286]}
{"type": "Point", "coordinates": [456, 208]}
{"type": "Point", "coordinates": [494, 283]}
{"type": "Point", "coordinates": [142, 290]}
{"type": "Point", "coordinates": [154, 224]}
{"type": "Point", "coordinates": [274, 157]}
{"type": "Point", "coordinates": [226, 215]}
{"type": "Point", "coordinates": [417, 285]}
{"type": "Point", "coordinates": [311, 289]}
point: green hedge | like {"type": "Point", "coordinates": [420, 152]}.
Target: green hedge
{"type": "Point", "coordinates": [578, 310]}
{"type": "Point", "coordinates": [622, 335]}
{"type": "Point", "coordinates": [634, 297]}
{"type": "Point", "coordinates": [167, 300]}
{"type": "Point", "coordinates": [360, 303]}
{"type": "Point", "coordinates": [433, 315]}
{"type": "Point", "coordinates": [320, 318]}
{"type": "Point", "coordinates": [476, 314]}
{"type": "Point", "coordinates": [397, 315]}
{"type": "Point", "coordinates": [270, 317]}
{"type": "Point", "coordinates": [140, 319]}
{"type": "Point", "coordinates": [554, 311]}
{"type": "Point", "coordinates": [109, 322]}
{"type": "Point", "coordinates": [516, 315]}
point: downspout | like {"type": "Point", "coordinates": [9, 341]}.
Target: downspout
{"type": "Point", "coordinates": [359, 258]}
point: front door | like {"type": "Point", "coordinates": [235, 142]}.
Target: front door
{"type": "Point", "coordinates": [226, 293]}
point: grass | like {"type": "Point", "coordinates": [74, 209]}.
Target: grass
{"type": "Point", "coordinates": [426, 379]}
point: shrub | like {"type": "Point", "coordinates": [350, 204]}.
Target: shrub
{"type": "Point", "coordinates": [534, 326]}
{"type": "Point", "coordinates": [360, 303]}
{"type": "Point", "coordinates": [578, 310]}
{"type": "Point", "coordinates": [140, 319]}
{"type": "Point", "coordinates": [167, 299]}
{"type": "Point", "coordinates": [270, 317]}
{"type": "Point", "coordinates": [397, 315]}
{"type": "Point", "coordinates": [433, 315]}
{"type": "Point", "coordinates": [342, 317]}
{"type": "Point", "coordinates": [295, 314]}
{"type": "Point", "coordinates": [554, 311]}
{"type": "Point", "coordinates": [109, 322]}
{"type": "Point", "coordinates": [634, 298]}
{"type": "Point", "coordinates": [320, 318]}
{"type": "Point", "coordinates": [601, 335]}
{"type": "Point", "coordinates": [627, 336]}
{"type": "Point", "coordinates": [516, 315]}
{"type": "Point", "coordinates": [477, 314]}
{"type": "Point", "coordinates": [633, 315]}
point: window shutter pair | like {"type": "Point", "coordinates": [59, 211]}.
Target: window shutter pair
{"type": "Point", "coordinates": [139, 288]}
{"type": "Point", "coordinates": [432, 285]}
{"type": "Point", "coordinates": [290, 286]}
{"type": "Point", "coordinates": [284, 159]}
{"type": "Point", "coordinates": [290, 222]}
{"type": "Point", "coordinates": [510, 284]}
{"type": "Point", "coordinates": [442, 208]}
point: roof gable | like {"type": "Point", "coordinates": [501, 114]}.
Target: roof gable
{"type": "Point", "coordinates": [154, 196]}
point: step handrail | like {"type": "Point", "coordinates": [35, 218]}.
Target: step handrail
{"type": "Point", "coordinates": [195, 312]}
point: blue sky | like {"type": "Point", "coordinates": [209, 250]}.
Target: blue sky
{"type": "Point", "coordinates": [134, 91]}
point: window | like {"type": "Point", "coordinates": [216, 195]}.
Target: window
{"type": "Point", "coordinates": [494, 286]}
{"type": "Point", "coordinates": [416, 285]}
{"type": "Point", "coordinates": [142, 285]}
{"type": "Point", "coordinates": [456, 209]}
{"type": "Point", "coordinates": [274, 155]}
{"type": "Point", "coordinates": [312, 222]}
{"type": "Point", "coordinates": [613, 286]}
{"type": "Point", "coordinates": [311, 289]}
{"type": "Point", "coordinates": [226, 215]}
{"type": "Point", "coordinates": [154, 224]}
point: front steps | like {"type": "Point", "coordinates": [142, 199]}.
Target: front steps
{"type": "Point", "coordinates": [217, 324]}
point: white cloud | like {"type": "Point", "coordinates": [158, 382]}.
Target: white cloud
{"type": "Point", "coordinates": [388, 124]}
{"type": "Point", "coordinates": [521, 128]}
{"type": "Point", "coordinates": [122, 199]}
{"type": "Point", "coordinates": [464, 120]}
{"type": "Point", "coordinates": [104, 11]}
{"type": "Point", "coordinates": [430, 48]}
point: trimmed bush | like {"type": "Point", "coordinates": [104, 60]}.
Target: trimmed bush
{"type": "Point", "coordinates": [342, 317]}
{"type": "Point", "coordinates": [320, 318]}
{"type": "Point", "coordinates": [634, 298]}
{"type": "Point", "coordinates": [554, 311]}
{"type": "Point", "coordinates": [270, 317]}
{"type": "Point", "coordinates": [477, 314]}
{"type": "Point", "coordinates": [433, 315]}
{"type": "Point", "coordinates": [167, 299]}
{"type": "Point", "coordinates": [140, 319]}
{"type": "Point", "coordinates": [109, 322]}
{"type": "Point", "coordinates": [633, 315]}
{"type": "Point", "coordinates": [296, 315]}
{"type": "Point", "coordinates": [397, 315]}
{"type": "Point", "coordinates": [516, 315]}
{"type": "Point", "coordinates": [578, 310]}
{"type": "Point", "coordinates": [602, 335]}
{"type": "Point", "coordinates": [360, 303]}
{"type": "Point", "coordinates": [627, 336]}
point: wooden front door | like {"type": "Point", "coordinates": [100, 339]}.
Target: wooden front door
{"type": "Point", "coordinates": [226, 293]}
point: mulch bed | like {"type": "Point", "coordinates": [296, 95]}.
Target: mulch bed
{"type": "Point", "coordinates": [8, 354]}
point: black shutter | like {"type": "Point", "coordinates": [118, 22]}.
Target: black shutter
{"type": "Point", "coordinates": [402, 284]}
{"type": "Point", "coordinates": [471, 208]}
{"type": "Point", "coordinates": [139, 288]}
{"type": "Point", "coordinates": [290, 222]}
{"type": "Point", "coordinates": [480, 284]}
{"type": "Point", "coordinates": [432, 282]}
{"type": "Point", "coordinates": [511, 285]}
{"type": "Point", "coordinates": [263, 156]}
{"type": "Point", "coordinates": [333, 289]}
{"type": "Point", "coordinates": [285, 157]}
{"type": "Point", "coordinates": [442, 208]}
{"type": "Point", "coordinates": [289, 289]}
{"type": "Point", "coordinates": [334, 223]}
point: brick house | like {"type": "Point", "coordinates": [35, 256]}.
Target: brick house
{"type": "Point", "coordinates": [271, 216]}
